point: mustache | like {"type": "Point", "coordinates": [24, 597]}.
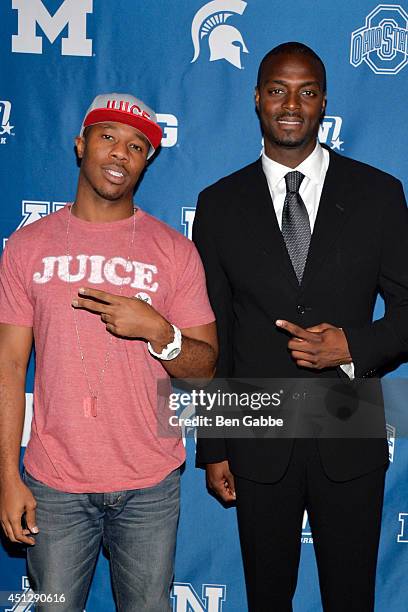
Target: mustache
{"type": "Point", "coordinates": [117, 167]}
{"type": "Point", "coordinates": [288, 116]}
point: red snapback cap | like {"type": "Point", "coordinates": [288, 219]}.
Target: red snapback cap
{"type": "Point", "coordinates": [124, 108]}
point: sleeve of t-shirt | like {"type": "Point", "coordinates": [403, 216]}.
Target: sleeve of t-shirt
{"type": "Point", "coordinates": [15, 305]}
{"type": "Point", "coordinates": [189, 305]}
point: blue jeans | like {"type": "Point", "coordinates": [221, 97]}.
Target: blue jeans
{"type": "Point", "coordinates": [137, 527]}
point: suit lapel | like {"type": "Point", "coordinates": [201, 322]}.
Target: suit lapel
{"type": "Point", "coordinates": [334, 210]}
{"type": "Point", "coordinates": [255, 204]}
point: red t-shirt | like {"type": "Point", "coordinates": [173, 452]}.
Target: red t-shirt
{"type": "Point", "coordinates": [40, 274]}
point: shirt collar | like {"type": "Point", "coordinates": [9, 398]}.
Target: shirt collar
{"type": "Point", "coordinates": [313, 167]}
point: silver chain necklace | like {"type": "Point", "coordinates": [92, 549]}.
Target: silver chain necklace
{"type": "Point", "coordinates": [90, 403]}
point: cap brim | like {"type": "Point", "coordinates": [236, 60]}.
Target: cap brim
{"type": "Point", "coordinates": [151, 130]}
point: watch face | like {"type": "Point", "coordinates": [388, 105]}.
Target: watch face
{"type": "Point", "coordinates": [173, 353]}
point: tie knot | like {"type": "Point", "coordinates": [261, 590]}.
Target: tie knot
{"type": "Point", "coordinates": [293, 181]}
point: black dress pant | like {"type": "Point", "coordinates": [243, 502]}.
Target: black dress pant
{"type": "Point", "coordinates": [345, 519]}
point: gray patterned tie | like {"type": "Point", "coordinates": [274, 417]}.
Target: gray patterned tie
{"type": "Point", "coordinates": [295, 224]}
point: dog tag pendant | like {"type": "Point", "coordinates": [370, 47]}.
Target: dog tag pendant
{"type": "Point", "coordinates": [90, 406]}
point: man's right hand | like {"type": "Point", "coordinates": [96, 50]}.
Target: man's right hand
{"type": "Point", "coordinates": [16, 499]}
{"type": "Point", "coordinates": [220, 480]}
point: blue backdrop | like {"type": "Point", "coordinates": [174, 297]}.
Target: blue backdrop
{"type": "Point", "coordinates": [195, 63]}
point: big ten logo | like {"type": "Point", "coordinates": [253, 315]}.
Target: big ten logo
{"type": "Point", "coordinates": [382, 42]}
{"type": "Point", "coordinates": [329, 132]}
{"type": "Point", "coordinates": [169, 124]}
{"type": "Point", "coordinates": [224, 40]}
{"type": "Point", "coordinates": [306, 537]}
{"type": "Point", "coordinates": [5, 127]}
{"type": "Point", "coordinates": [403, 535]}
{"type": "Point", "coordinates": [187, 220]}
{"type": "Point", "coordinates": [185, 598]}
{"type": "Point", "coordinates": [32, 210]}
{"type": "Point", "coordinates": [391, 436]}
{"type": "Point", "coordinates": [71, 14]}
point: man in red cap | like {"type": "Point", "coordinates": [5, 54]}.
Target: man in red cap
{"type": "Point", "coordinates": [96, 469]}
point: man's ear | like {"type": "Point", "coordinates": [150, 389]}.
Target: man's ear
{"type": "Point", "coordinates": [324, 104]}
{"type": "Point", "coordinates": [80, 146]}
{"type": "Point", "coordinates": [257, 98]}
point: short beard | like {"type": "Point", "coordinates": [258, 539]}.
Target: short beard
{"type": "Point", "coordinates": [288, 143]}
{"type": "Point", "coordinates": [108, 196]}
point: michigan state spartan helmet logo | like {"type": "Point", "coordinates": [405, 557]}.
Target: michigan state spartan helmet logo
{"type": "Point", "coordinates": [224, 41]}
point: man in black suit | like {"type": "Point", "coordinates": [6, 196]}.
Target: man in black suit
{"type": "Point", "coordinates": [296, 248]}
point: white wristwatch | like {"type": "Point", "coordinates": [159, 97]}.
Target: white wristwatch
{"type": "Point", "coordinates": [172, 350]}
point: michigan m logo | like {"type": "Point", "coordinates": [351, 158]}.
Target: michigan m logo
{"type": "Point", "coordinates": [71, 13]}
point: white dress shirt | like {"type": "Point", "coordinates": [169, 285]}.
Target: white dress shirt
{"type": "Point", "coordinates": [314, 169]}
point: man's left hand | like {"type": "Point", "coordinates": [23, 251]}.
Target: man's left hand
{"type": "Point", "coordinates": [126, 317]}
{"type": "Point", "coordinates": [317, 347]}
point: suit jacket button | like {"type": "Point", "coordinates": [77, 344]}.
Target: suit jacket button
{"type": "Point", "coordinates": [300, 309]}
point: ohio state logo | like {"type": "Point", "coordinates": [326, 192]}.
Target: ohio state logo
{"type": "Point", "coordinates": [382, 43]}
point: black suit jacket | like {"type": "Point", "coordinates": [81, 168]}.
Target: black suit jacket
{"type": "Point", "coordinates": [358, 250]}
